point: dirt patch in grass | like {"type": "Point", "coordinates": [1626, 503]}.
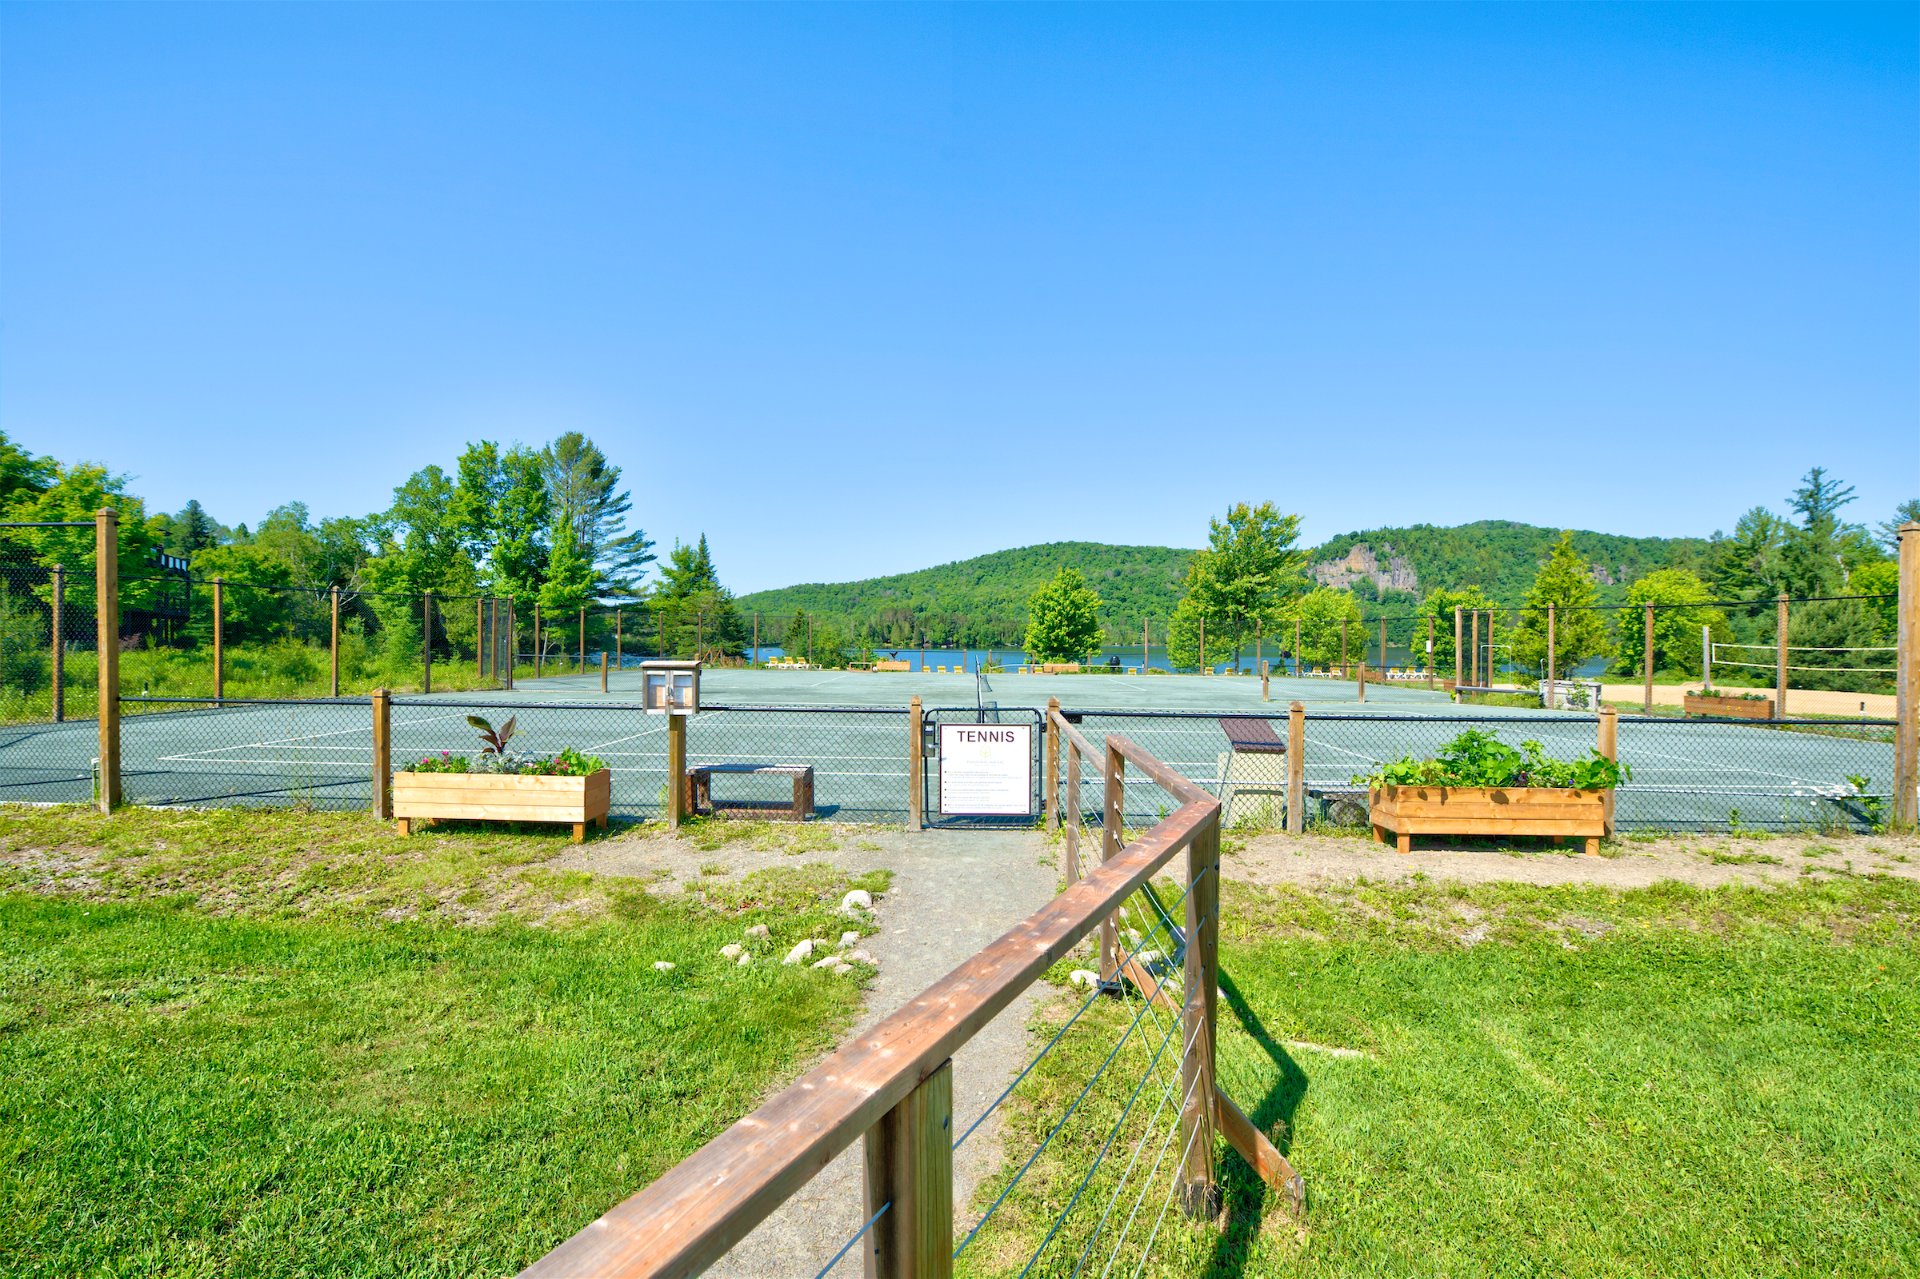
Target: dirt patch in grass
{"type": "Point", "coordinates": [1636, 861]}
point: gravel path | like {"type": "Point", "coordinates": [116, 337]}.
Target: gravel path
{"type": "Point", "coordinates": [953, 892]}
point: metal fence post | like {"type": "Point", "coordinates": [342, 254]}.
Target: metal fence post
{"type": "Point", "coordinates": [1296, 769]}
{"type": "Point", "coordinates": [1052, 806]}
{"type": "Point", "coordinates": [479, 638]}
{"type": "Point", "coordinates": [1780, 657]}
{"type": "Point", "coordinates": [1200, 1192]}
{"type": "Point", "coordinates": [59, 647]}
{"type": "Point", "coordinates": [1429, 652]}
{"type": "Point", "coordinates": [619, 657]}
{"type": "Point", "coordinates": [909, 1170]}
{"type": "Point", "coordinates": [1113, 822]}
{"type": "Point", "coordinates": [583, 639]}
{"type": "Point", "coordinates": [1609, 747]}
{"type": "Point", "coordinates": [426, 641]}
{"type": "Point", "coordinates": [1906, 734]}
{"type": "Point", "coordinates": [219, 641]}
{"type": "Point", "coordinates": [106, 622]}
{"type": "Point", "coordinates": [382, 756]}
{"type": "Point", "coordinates": [676, 769]}
{"type": "Point", "coordinates": [1346, 671]}
{"type": "Point", "coordinates": [333, 645]}
{"type": "Point", "coordinates": [916, 765]}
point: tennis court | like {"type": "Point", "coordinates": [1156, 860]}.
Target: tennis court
{"type": "Point", "coordinates": [851, 727]}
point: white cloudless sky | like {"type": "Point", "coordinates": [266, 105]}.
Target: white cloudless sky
{"type": "Point", "coordinates": [855, 290]}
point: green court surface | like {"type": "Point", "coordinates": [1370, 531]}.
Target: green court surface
{"type": "Point", "coordinates": [851, 727]}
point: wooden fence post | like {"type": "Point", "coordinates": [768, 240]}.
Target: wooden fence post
{"type": "Point", "coordinates": [1906, 734]}
{"type": "Point", "coordinates": [809, 639]}
{"type": "Point", "coordinates": [1113, 824]}
{"type": "Point", "coordinates": [1609, 747]}
{"type": "Point", "coordinates": [1200, 1192]}
{"type": "Point", "coordinates": [619, 640]}
{"type": "Point", "coordinates": [1383, 648]}
{"type": "Point", "coordinates": [583, 639]}
{"type": "Point", "coordinates": [493, 639]}
{"type": "Point", "coordinates": [333, 642]}
{"type": "Point", "coordinates": [1780, 657]}
{"type": "Point", "coordinates": [916, 765]}
{"type": "Point", "coordinates": [426, 641]}
{"type": "Point", "coordinates": [1203, 645]}
{"type": "Point", "coordinates": [1265, 696]}
{"type": "Point", "coordinates": [538, 650]}
{"type": "Point", "coordinates": [676, 769]}
{"type": "Point", "coordinates": [1073, 815]}
{"type": "Point", "coordinates": [479, 639]}
{"type": "Point", "coordinates": [1473, 664]}
{"type": "Point", "coordinates": [1552, 666]}
{"type": "Point", "coordinates": [59, 654]}
{"type": "Point", "coordinates": [756, 639]}
{"type": "Point", "coordinates": [1646, 660]}
{"type": "Point", "coordinates": [1346, 672]}
{"type": "Point", "coordinates": [1459, 652]}
{"type": "Point", "coordinates": [1296, 769]}
{"type": "Point", "coordinates": [1259, 651]}
{"type": "Point", "coordinates": [1052, 806]}
{"type": "Point", "coordinates": [219, 641]}
{"type": "Point", "coordinates": [1146, 644]}
{"type": "Point", "coordinates": [106, 624]}
{"type": "Point", "coordinates": [909, 1164]}
{"type": "Point", "coordinates": [512, 637]}
{"type": "Point", "coordinates": [1363, 681]}
{"type": "Point", "coordinates": [1299, 662]}
{"type": "Point", "coordinates": [382, 756]}
{"type": "Point", "coordinates": [1492, 657]}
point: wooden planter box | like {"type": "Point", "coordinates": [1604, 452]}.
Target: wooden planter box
{"type": "Point", "coordinates": [1407, 811]}
{"type": "Point", "coordinates": [503, 797]}
{"type": "Point", "coordinates": [1731, 707]}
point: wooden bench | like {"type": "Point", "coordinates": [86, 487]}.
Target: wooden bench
{"type": "Point", "coordinates": [700, 801]}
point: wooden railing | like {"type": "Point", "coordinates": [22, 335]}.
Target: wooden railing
{"type": "Point", "coordinates": [892, 1084]}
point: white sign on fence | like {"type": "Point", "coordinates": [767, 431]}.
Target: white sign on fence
{"type": "Point", "coordinates": [986, 770]}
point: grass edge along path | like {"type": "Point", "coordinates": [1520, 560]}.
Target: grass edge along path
{"type": "Point", "coordinates": [1506, 1080]}
{"type": "Point", "coordinates": [304, 1086]}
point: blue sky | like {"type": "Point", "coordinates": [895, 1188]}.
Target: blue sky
{"type": "Point", "coordinates": [860, 289]}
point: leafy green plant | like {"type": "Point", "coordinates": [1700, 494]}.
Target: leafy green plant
{"type": "Point", "coordinates": [1478, 758]}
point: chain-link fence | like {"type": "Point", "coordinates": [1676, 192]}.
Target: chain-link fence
{"type": "Point", "coordinates": [1697, 774]}
{"type": "Point", "coordinates": [256, 752]}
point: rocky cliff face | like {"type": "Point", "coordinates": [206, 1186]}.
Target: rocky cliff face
{"type": "Point", "coordinates": [1396, 575]}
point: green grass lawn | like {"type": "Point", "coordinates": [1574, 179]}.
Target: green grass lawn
{"type": "Point", "coordinates": [274, 1043]}
{"type": "Point", "coordinates": [1514, 1081]}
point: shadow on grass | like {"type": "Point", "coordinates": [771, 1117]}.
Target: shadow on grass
{"type": "Point", "coordinates": [1246, 1196]}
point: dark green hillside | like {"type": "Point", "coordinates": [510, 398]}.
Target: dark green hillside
{"type": "Point", "coordinates": [984, 600]}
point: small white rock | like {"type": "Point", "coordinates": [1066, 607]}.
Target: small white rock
{"type": "Point", "coordinates": [1133, 935]}
{"type": "Point", "coordinates": [858, 899]}
{"type": "Point", "coordinates": [841, 967]}
{"type": "Point", "coordinates": [732, 950]}
{"type": "Point", "coordinates": [1150, 957]}
{"type": "Point", "coordinates": [849, 939]}
{"type": "Point", "coordinates": [760, 931]}
{"type": "Point", "coordinates": [861, 957]}
{"type": "Point", "coordinates": [745, 959]}
{"type": "Point", "coordinates": [830, 961]}
{"type": "Point", "coordinates": [800, 953]}
{"type": "Point", "coordinates": [1084, 977]}
{"type": "Point", "coordinates": [662, 966]}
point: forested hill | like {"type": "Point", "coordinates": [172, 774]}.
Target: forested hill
{"type": "Point", "coordinates": [985, 598]}
{"type": "Point", "coordinates": [1499, 556]}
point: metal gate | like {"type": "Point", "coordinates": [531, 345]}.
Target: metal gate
{"type": "Point", "coordinates": [985, 713]}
